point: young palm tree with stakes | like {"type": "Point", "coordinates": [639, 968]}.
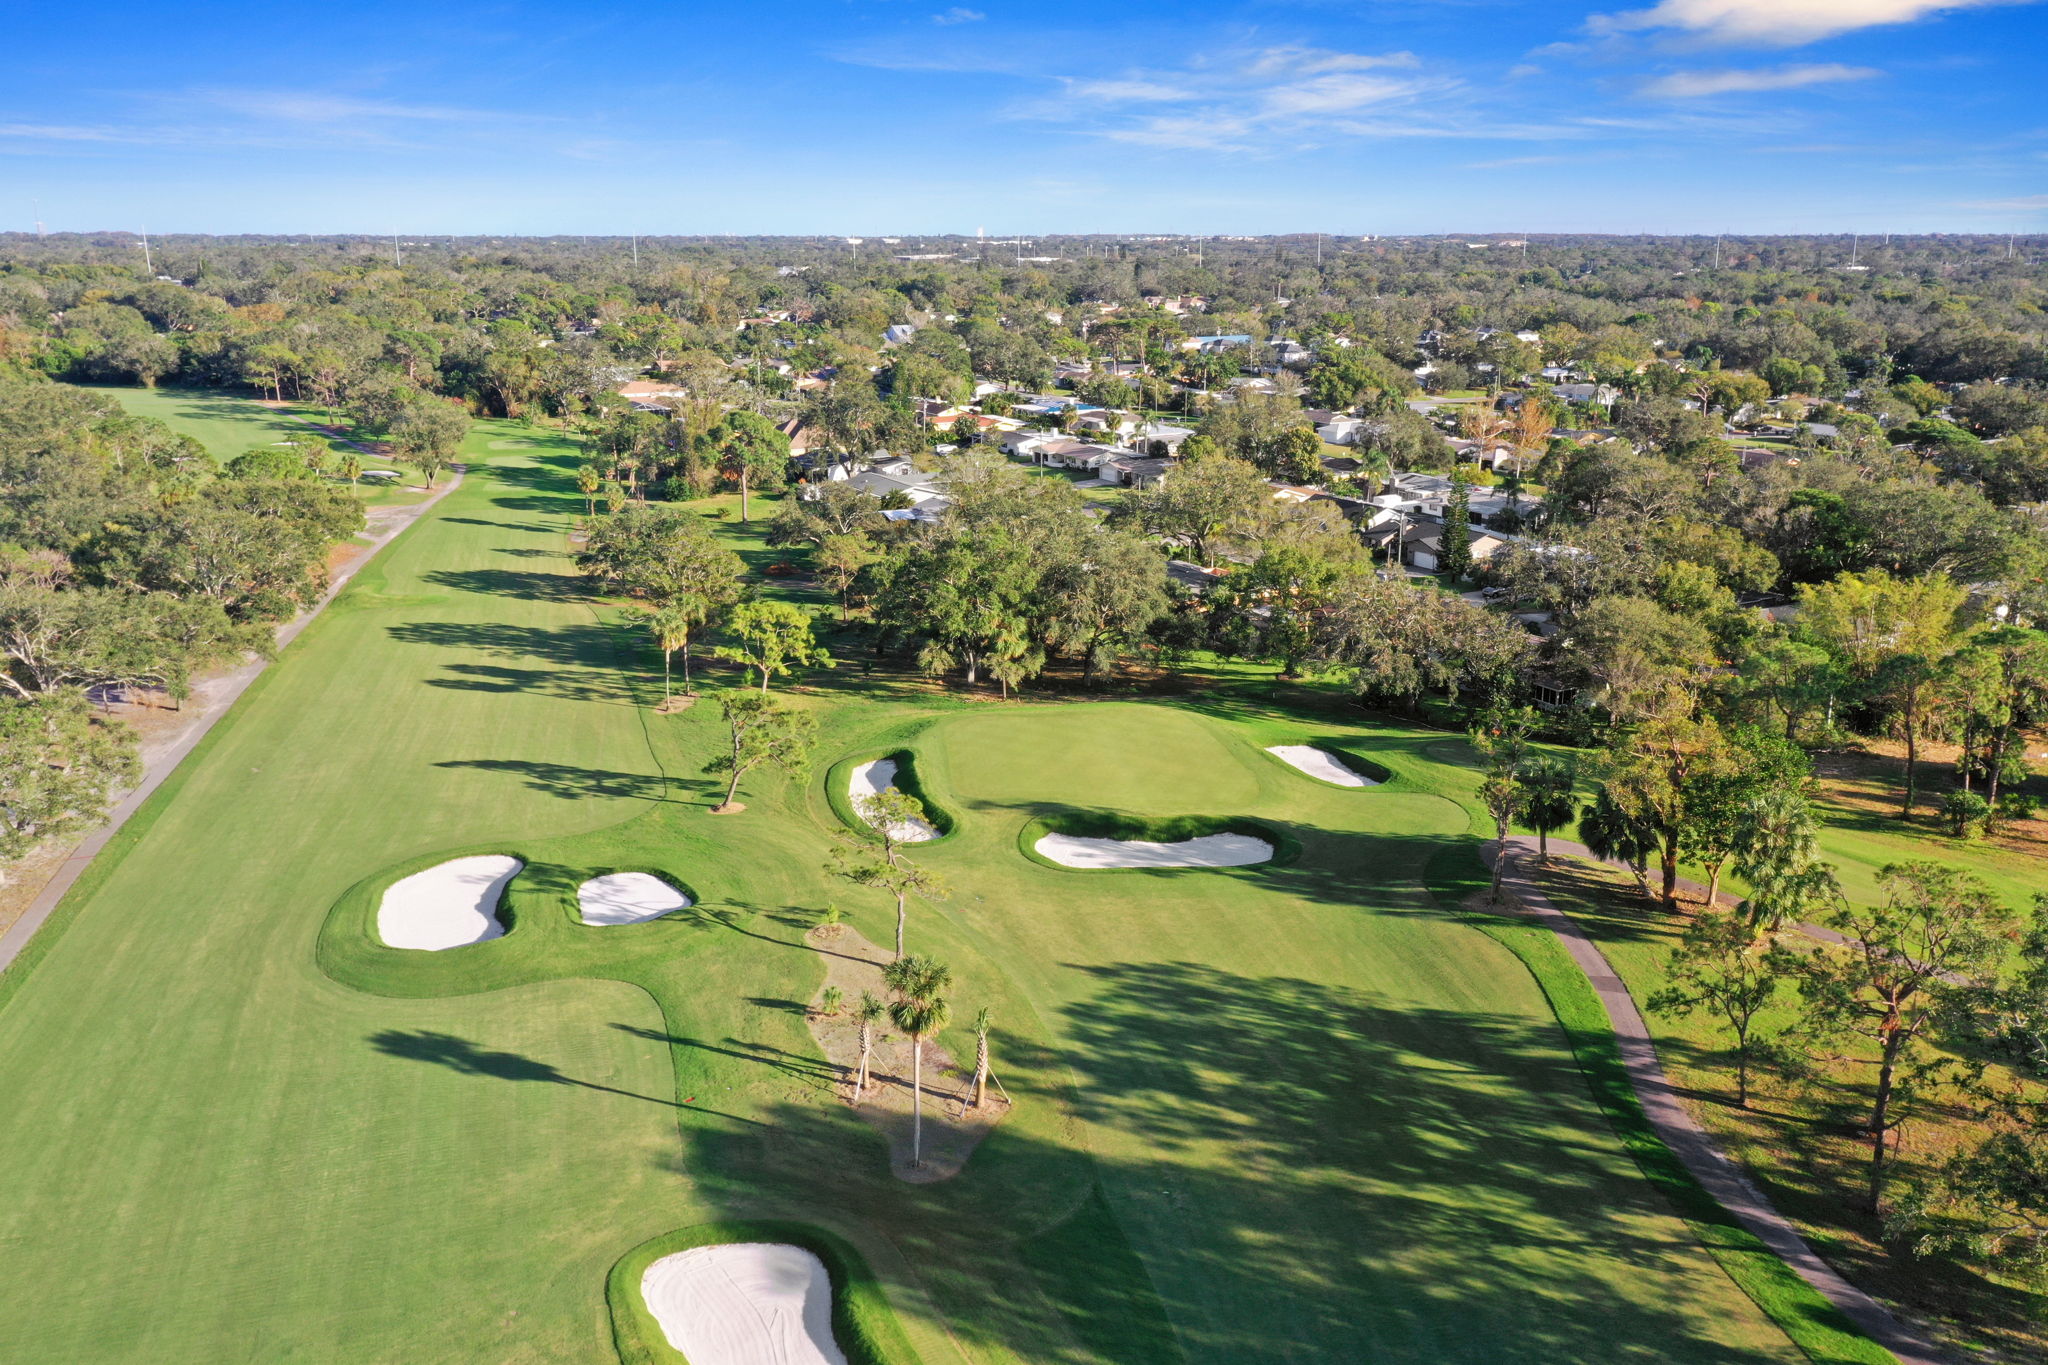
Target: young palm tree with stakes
{"type": "Point", "coordinates": [920, 1010]}
{"type": "Point", "coordinates": [867, 1014]}
{"type": "Point", "coordinates": [984, 1019]}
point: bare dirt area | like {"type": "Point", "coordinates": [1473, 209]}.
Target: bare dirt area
{"type": "Point", "coordinates": [952, 1129]}
{"type": "Point", "coordinates": [1871, 781]}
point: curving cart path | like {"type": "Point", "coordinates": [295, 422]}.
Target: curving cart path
{"type": "Point", "coordinates": [220, 694]}
{"type": "Point", "coordinates": [1682, 1133]}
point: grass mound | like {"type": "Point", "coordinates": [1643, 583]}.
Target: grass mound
{"type": "Point", "coordinates": [839, 790]}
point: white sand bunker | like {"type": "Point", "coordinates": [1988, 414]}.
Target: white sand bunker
{"type": "Point", "coordinates": [627, 898]}
{"type": "Point", "coordinates": [747, 1303]}
{"type": "Point", "coordinates": [872, 779]}
{"type": "Point", "coordinates": [447, 906]}
{"type": "Point", "coordinates": [1211, 850]}
{"type": "Point", "coordinates": [1319, 763]}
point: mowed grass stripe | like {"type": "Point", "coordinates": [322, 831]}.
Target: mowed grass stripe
{"type": "Point", "coordinates": [212, 1162]}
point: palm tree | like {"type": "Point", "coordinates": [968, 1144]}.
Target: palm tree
{"type": "Point", "coordinates": [589, 480]}
{"type": "Point", "coordinates": [867, 1014]}
{"type": "Point", "coordinates": [1549, 798]}
{"type": "Point", "coordinates": [919, 1011]}
{"type": "Point", "coordinates": [983, 1019]}
{"type": "Point", "coordinates": [670, 627]}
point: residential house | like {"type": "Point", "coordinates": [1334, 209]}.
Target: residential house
{"type": "Point", "coordinates": [1132, 470]}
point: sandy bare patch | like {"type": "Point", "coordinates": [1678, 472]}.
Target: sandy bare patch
{"type": "Point", "coordinates": [448, 906]}
{"type": "Point", "coordinates": [1210, 850]}
{"type": "Point", "coordinates": [744, 1303]}
{"type": "Point", "coordinates": [1319, 763]}
{"type": "Point", "coordinates": [872, 779]}
{"type": "Point", "coordinates": [627, 898]}
{"type": "Point", "coordinates": [952, 1130]}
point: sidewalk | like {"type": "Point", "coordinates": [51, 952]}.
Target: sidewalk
{"type": "Point", "coordinates": [210, 700]}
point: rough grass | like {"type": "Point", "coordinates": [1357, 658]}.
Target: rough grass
{"type": "Point", "coordinates": [1330, 1119]}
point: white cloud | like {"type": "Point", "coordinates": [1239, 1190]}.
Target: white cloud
{"type": "Point", "coordinates": [313, 108]}
{"type": "Point", "coordinates": [1131, 92]}
{"type": "Point", "coordinates": [1310, 61]}
{"type": "Point", "coordinates": [1783, 23]}
{"type": "Point", "coordinates": [1681, 85]}
{"type": "Point", "coordinates": [1335, 94]}
{"type": "Point", "coordinates": [959, 15]}
{"type": "Point", "coordinates": [1195, 133]}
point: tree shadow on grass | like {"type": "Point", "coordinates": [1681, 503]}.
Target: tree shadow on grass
{"type": "Point", "coordinates": [461, 1055]}
{"type": "Point", "coordinates": [1304, 1172]}
{"type": "Point", "coordinates": [569, 781]}
{"type": "Point", "coordinates": [588, 645]}
{"type": "Point", "coordinates": [806, 1068]}
{"type": "Point", "coordinates": [532, 586]}
{"type": "Point", "coordinates": [590, 686]}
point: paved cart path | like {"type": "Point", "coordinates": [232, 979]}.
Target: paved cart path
{"type": "Point", "coordinates": [1682, 1133]}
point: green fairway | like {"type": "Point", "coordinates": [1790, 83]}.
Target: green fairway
{"type": "Point", "coordinates": [225, 424]}
{"type": "Point", "coordinates": [228, 425]}
{"type": "Point", "coordinates": [1300, 1112]}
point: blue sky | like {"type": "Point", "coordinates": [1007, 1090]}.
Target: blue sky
{"type": "Point", "coordinates": [871, 116]}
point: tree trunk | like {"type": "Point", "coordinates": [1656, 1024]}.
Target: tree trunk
{"type": "Point", "coordinates": [1912, 763]}
{"type": "Point", "coordinates": [916, 1100]}
{"type": "Point", "coordinates": [980, 1071]}
{"type": "Point", "coordinates": [867, 1044]}
{"type": "Point", "coordinates": [1543, 843]}
{"type": "Point", "coordinates": [900, 898]}
{"type": "Point", "coordinates": [733, 788]}
{"type": "Point", "coordinates": [1714, 881]}
{"type": "Point", "coordinates": [665, 691]}
{"type": "Point", "coordinates": [743, 497]}
{"type": "Point", "coordinates": [1669, 859]}
{"type": "Point", "coordinates": [1880, 1114]}
{"type": "Point", "coordinates": [686, 663]}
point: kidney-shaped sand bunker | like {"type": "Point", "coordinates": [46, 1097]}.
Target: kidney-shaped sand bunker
{"type": "Point", "coordinates": [744, 1303]}
{"type": "Point", "coordinates": [450, 905]}
{"type": "Point", "coordinates": [627, 898]}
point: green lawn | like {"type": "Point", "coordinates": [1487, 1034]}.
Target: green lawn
{"type": "Point", "coordinates": [224, 423]}
{"type": "Point", "coordinates": [227, 425]}
{"type": "Point", "coordinates": [1297, 1113]}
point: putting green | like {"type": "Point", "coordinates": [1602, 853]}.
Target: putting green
{"type": "Point", "coordinates": [1294, 1112]}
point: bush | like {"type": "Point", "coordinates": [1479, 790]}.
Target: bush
{"type": "Point", "coordinates": [1965, 812]}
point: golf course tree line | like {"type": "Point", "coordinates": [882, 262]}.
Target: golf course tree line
{"type": "Point", "coordinates": [129, 559]}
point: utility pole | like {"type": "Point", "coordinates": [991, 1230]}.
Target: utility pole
{"type": "Point", "coordinates": [1319, 251]}
{"type": "Point", "coordinates": [636, 251]}
{"type": "Point", "coordinates": [397, 253]}
{"type": "Point", "coordinates": [147, 264]}
{"type": "Point", "coordinates": [39, 217]}
{"type": "Point", "coordinates": [1717, 251]}
{"type": "Point", "coordinates": [1855, 241]}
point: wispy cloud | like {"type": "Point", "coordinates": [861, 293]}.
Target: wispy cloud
{"type": "Point", "coordinates": [1268, 98]}
{"type": "Point", "coordinates": [1776, 23]}
{"type": "Point", "coordinates": [301, 107]}
{"type": "Point", "coordinates": [959, 15]}
{"type": "Point", "coordinates": [1131, 92]}
{"type": "Point", "coordinates": [1682, 85]}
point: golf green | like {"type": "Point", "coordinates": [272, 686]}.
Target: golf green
{"type": "Point", "coordinates": [1290, 1112]}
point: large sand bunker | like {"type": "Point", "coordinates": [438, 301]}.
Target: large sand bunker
{"type": "Point", "coordinates": [745, 1303]}
{"type": "Point", "coordinates": [872, 779]}
{"type": "Point", "coordinates": [1210, 850]}
{"type": "Point", "coordinates": [448, 906]}
{"type": "Point", "coordinates": [627, 898]}
{"type": "Point", "coordinates": [1319, 763]}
